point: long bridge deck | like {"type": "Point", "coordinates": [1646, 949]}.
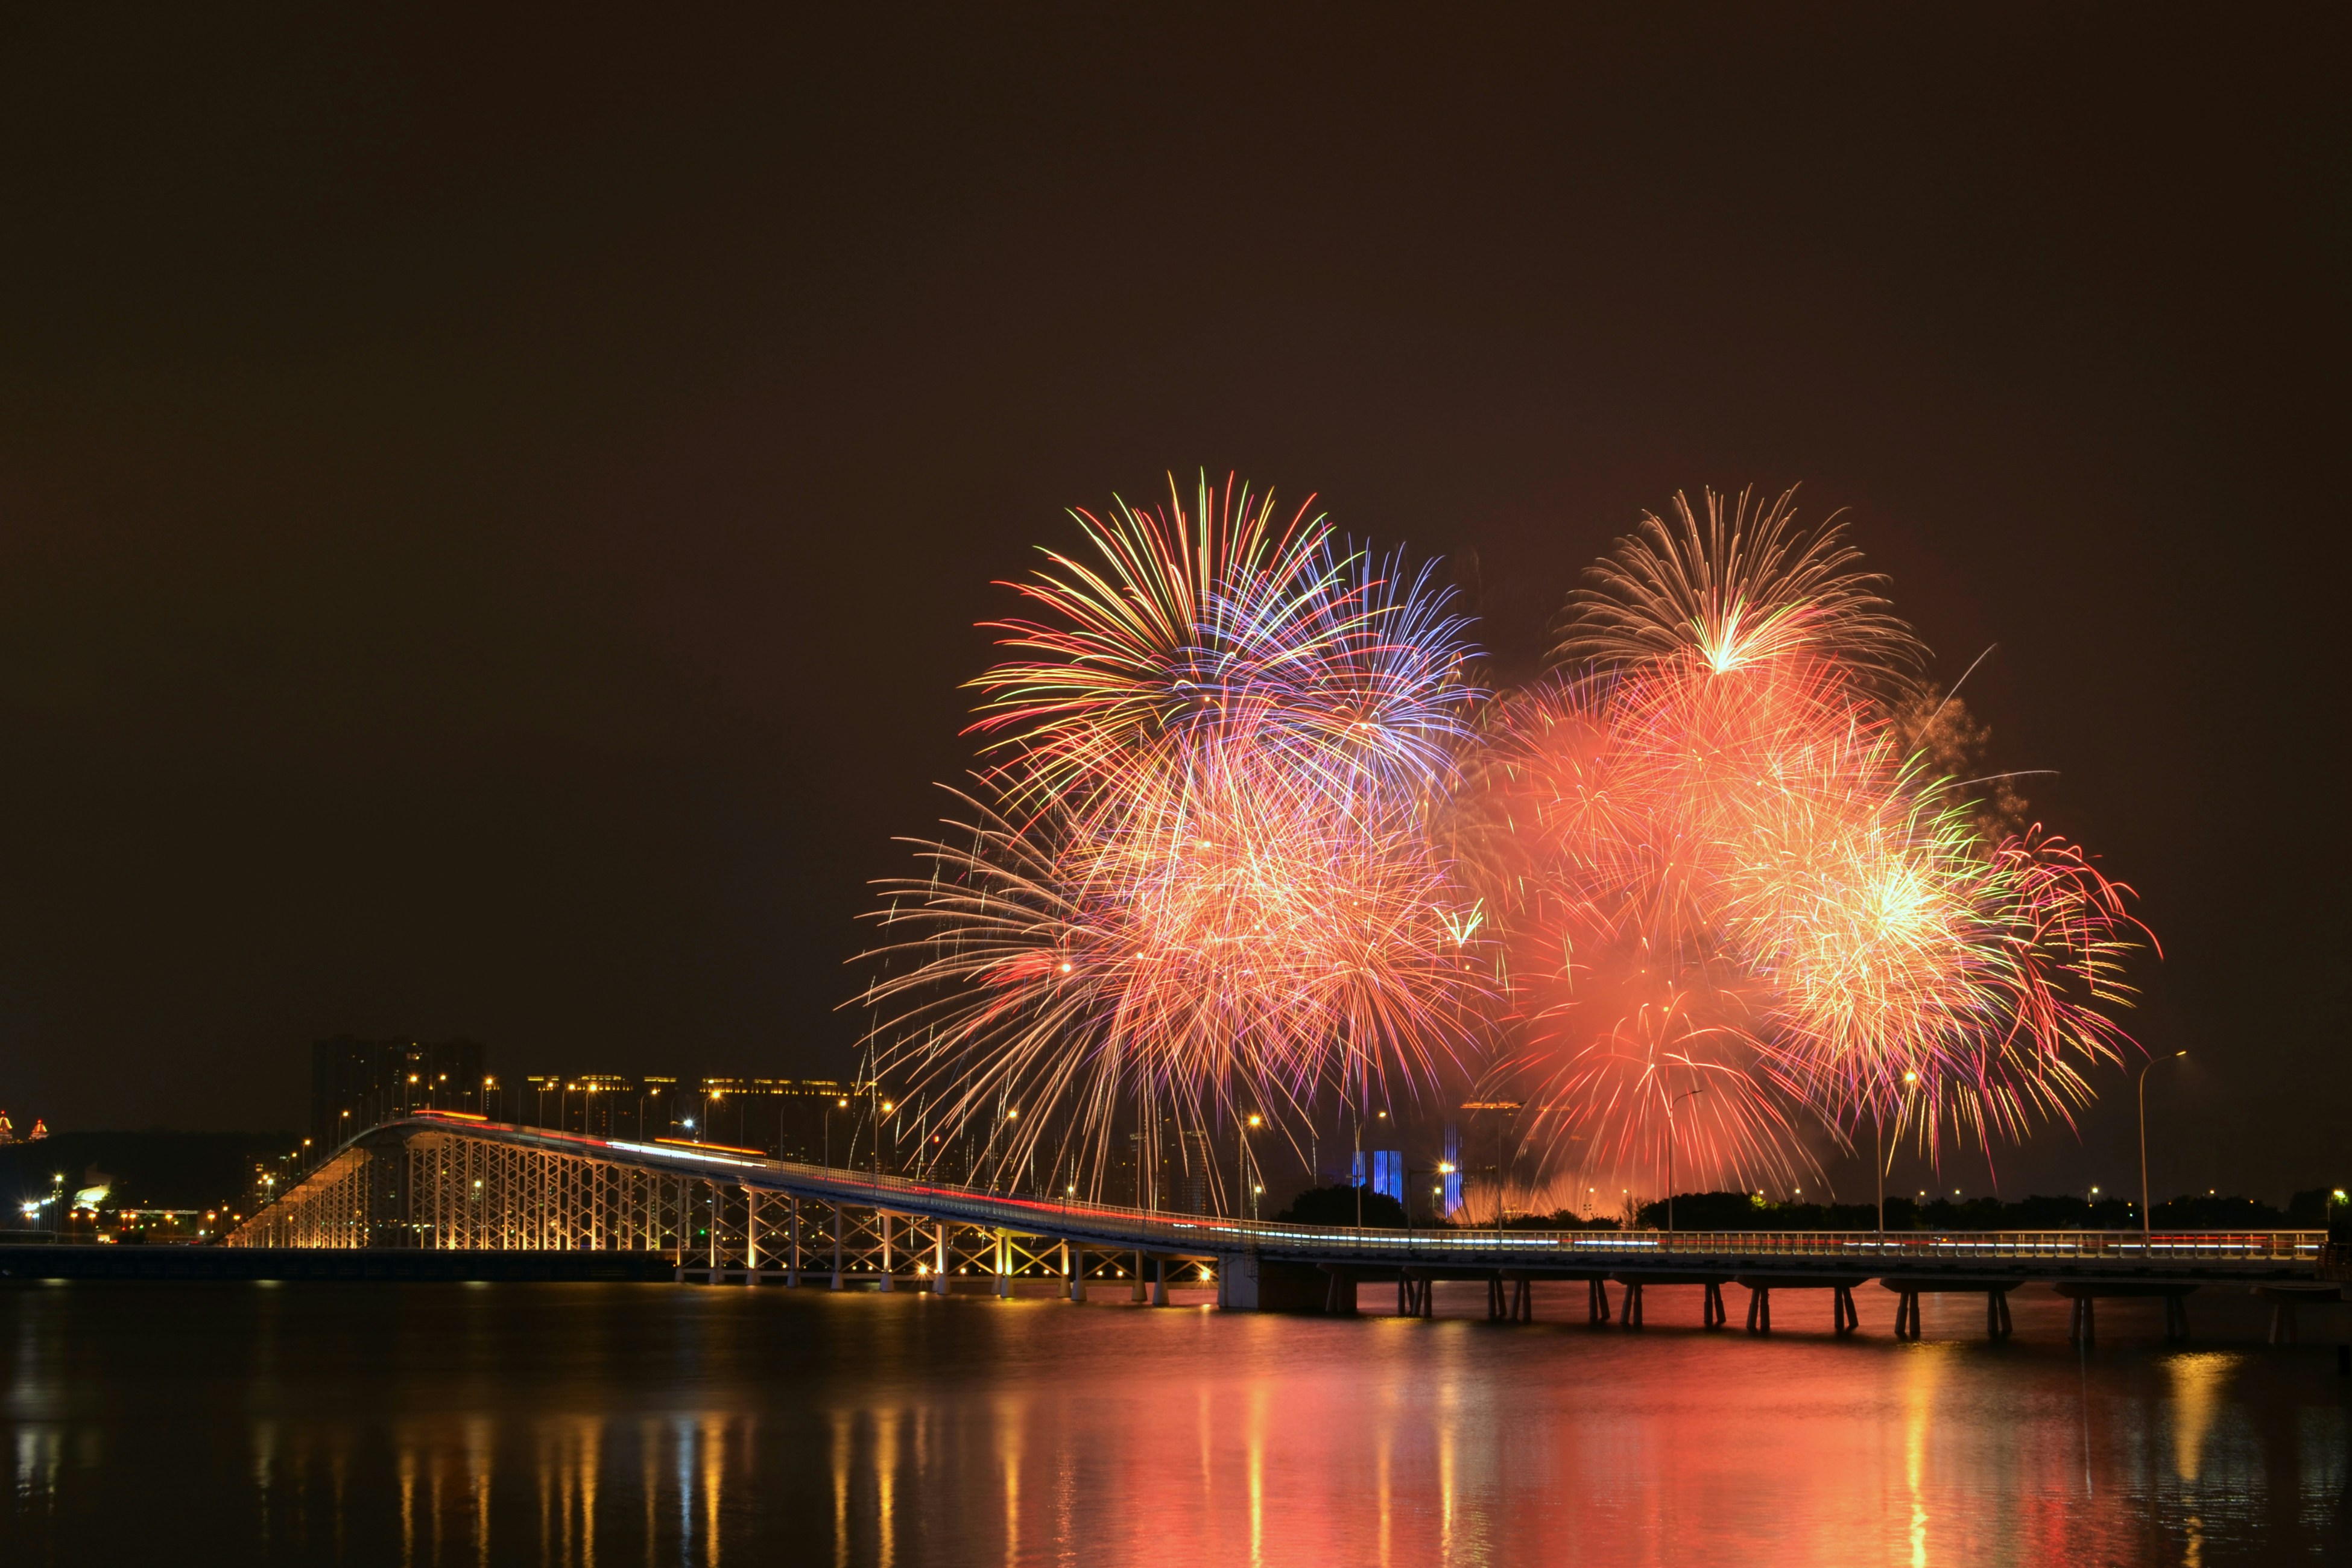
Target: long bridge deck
{"type": "Point", "coordinates": [442, 1182]}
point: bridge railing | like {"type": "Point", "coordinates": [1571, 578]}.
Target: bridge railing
{"type": "Point", "coordinates": [1215, 1233]}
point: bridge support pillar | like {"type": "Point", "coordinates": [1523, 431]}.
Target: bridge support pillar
{"type": "Point", "coordinates": [750, 1237]}
{"type": "Point", "coordinates": [1596, 1308]}
{"type": "Point", "coordinates": [1632, 1316]}
{"type": "Point", "coordinates": [1159, 1281]}
{"type": "Point", "coordinates": [792, 1257]}
{"type": "Point", "coordinates": [1074, 1269]}
{"type": "Point", "coordinates": [836, 1243]}
{"type": "Point", "coordinates": [1248, 1283]}
{"type": "Point", "coordinates": [1908, 1292]}
{"type": "Point", "coordinates": [1759, 1310]}
{"type": "Point", "coordinates": [939, 1258]}
{"type": "Point", "coordinates": [1135, 1295]}
{"type": "Point", "coordinates": [1845, 1318]}
{"type": "Point", "coordinates": [1712, 1313]}
{"type": "Point", "coordinates": [1338, 1290]}
{"type": "Point", "coordinates": [1004, 1265]}
{"type": "Point", "coordinates": [2083, 1326]}
{"type": "Point", "coordinates": [882, 1220]}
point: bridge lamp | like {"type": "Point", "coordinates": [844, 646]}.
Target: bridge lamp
{"type": "Point", "coordinates": [2146, 1217]}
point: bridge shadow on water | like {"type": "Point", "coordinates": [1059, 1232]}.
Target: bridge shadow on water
{"type": "Point", "coordinates": [624, 1424]}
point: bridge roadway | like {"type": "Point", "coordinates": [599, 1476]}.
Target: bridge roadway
{"type": "Point", "coordinates": [441, 1181]}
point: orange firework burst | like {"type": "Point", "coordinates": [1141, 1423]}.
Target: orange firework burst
{"type": "Point", "coordinates": [1722, 886]}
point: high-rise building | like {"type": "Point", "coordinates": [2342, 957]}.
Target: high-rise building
{"type": "Point", "coordinates": [356, 1083]}
{"type": "Point", "coordinates": [1452, 1198]}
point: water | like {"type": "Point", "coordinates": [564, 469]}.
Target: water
{"type": "Point", "coordinates": [586, 1425]}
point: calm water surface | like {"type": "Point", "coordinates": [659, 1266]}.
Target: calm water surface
{"type": "Point", "coordinates": [580, 1425]}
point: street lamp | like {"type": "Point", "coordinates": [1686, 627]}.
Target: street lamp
{"type": "Point", "coordinates": [1242, 1159]}
{"type": "Point", "coordinates": [1677, 1100]}
{"type": "Point", "coordinates": [1503, 1105]}
{"type": "Point", "coordinates": [1878, 1124]}
{"type": "Point", "coordinates": [2146, 1217]}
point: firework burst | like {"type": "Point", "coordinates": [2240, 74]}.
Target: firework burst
{"type": "Point", "coordinates": [1199, 875]}
{"type": "Point", "coordinates": [1244, 837]}
{"type": "Point", "coordinates": [1720, 880]}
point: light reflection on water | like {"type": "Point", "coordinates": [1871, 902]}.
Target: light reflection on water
{"type": "Point", "coordinates": [573, 1426]}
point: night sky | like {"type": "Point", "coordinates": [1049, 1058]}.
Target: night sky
{"type": "Point", "coordinates": [493, 520]}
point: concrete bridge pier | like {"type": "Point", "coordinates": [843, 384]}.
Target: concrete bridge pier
{"type": "Point", "coordinates": [1338, 1290]}
{"type": "Point", "coordinates": [2083, 1326]}
{"type": "Point", "coordinates": [1249, 1283]}
{"type": "Point", "coordinates": [939, 1258]}
{"type": "Point", "coordinates": [1597, 1303]}
{"type": "Point", "coordinates": [1136, 1294]}
{"type": "Point", "coordinates": [837, 1245]}
{"type": "Point", "coordinates": [1844, 1319]}
{"type": "Point", "coordinates": [1908, 1292]}
{"type": "Point", "coordinates": [2285, 1298]}
{"type": "Point", "coordinates": [792, 1257]}
{"type": "Point", "coordinates": [1510, 1297]}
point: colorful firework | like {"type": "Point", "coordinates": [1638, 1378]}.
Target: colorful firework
{"type": "Point", "coordinates": [1723, 887]}
{"type": "Point", "coordinates": [1199, 875]}
{"type": "Point", "coordinates": [1246, 836]}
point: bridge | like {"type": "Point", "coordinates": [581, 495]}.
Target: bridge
{"type": "Point", "coordinates": [441, 1182]}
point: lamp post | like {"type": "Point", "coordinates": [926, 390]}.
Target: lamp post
{"type": "Point", "coordinates": [1495, 1105]}
{"type": "Point", "coordinates": [2146, 1216]}
{"type": "Point", "coordinates": [1241, 1166]}
{"type": "Point", "coordinates": [1677, 1100]}
{"type": "Point", "coordinates": [1878, 1125]}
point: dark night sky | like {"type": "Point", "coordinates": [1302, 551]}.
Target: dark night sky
{"type": "Point", "coordinates": [492, 522]}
